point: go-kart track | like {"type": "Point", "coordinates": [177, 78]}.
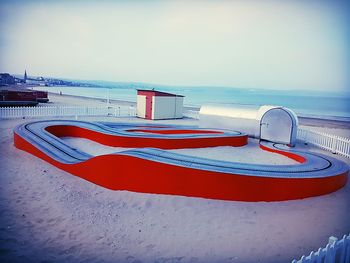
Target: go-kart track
{"type": "Point", "coordinates": [154, 170]}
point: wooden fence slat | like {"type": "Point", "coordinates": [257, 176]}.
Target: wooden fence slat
{"type": "Point", "coordinates": [329, 142]}
{"type": "Point", "coordinates": [57, 111]}
{"type": "Point", "coordinates": [335, 251]}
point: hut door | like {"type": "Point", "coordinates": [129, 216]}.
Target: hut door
{"type": "Point", "coordinates": [276, 126]}
{"type": "Point", "coordinates": [149, 107]}
{"type": "Point", "coordinates": [141, 106]}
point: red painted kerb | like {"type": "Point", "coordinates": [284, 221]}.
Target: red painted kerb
{"type": "Point", "coordinates": [133, 173]}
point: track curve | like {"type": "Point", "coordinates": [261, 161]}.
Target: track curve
{"type": "Point", "coordinates": [153, 170]}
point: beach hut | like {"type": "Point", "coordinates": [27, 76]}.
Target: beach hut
{"type": "Point", "coordinates": [157, 105]}
{"type": "Point", "coordinates": [17, 97]}
{"type": "Point", "coordinates": [271, 123]}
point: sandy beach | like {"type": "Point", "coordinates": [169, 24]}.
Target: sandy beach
{"type": "Point", "coordinates": [264, 83]}
{"type": "Point", "coordinates": [48, 215]}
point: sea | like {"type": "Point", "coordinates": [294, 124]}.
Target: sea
{"type": "Point", "coordinates": [335, 106]}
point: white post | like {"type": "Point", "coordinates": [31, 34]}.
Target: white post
{"type": "Point", "coordinates": [306, 136]}
{"type": "Point", "coordinates": [334, 144]}
{"type": "Point", "coordinates": [332, 240]}
{"type": "Point", "coordinates": [107, 97]}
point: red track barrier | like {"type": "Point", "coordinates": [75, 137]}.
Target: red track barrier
{"type": "Point", "coordinates": [124, 172]}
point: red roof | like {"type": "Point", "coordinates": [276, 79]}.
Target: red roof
{"type": "Point", "coordinates": [156, 93]}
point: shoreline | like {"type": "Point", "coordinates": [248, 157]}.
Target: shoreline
{"type": "Point", "coordinates": [112, 101]}
{"type": "Point", "coordinates": [327, 121]}
{"type": "Point", "coordinates": [319, 123]}
{"type": "Point", "coordinates": [303, 121]}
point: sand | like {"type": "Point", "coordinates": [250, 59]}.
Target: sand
{"type": "Point", "coordinates": [48, 215]}
{"type": "Point", "coordinates": [250, 153]}
{"type": "Point", "coordinates": [56, 99]}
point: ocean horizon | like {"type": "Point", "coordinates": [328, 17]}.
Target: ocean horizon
{"type": "Point", "coordinates": [304, 103]}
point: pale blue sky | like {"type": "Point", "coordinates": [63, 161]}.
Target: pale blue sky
{"type": "Point", "coordinates": [254, 44]}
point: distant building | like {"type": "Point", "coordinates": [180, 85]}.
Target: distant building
{"type": "Point", "coordinates": [6, 79]}
{"type": "Point", "coordinates": [39, 81]}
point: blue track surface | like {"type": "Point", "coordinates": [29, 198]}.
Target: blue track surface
{"type": "Point", "coordinates": [316, 165]}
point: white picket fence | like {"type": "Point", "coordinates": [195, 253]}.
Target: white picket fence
{"type": "Point", "coordinates": [61, 111]}
{"type": "Point", "coordinates": [194, 114]}
{"type": "Point", "coordinates": [336, 251]}
{"type": "Point", "coordinates": [333, 143]}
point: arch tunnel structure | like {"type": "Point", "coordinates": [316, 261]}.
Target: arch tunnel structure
{"type": "Point", "coordinates": [270, 123]}
{"type": "Point", "coordinates": [149, 168]}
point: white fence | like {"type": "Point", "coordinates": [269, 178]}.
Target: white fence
{"type": "Point", "coordinates": [336, 251]}
{"type": "Point", "coordinates": [59, 111]}
{"type": "Point", "coordinates": [326, 141]}
{"type": "Point", "coordinates": [191, 114]}
{"type": "Point", "coordinates": [330, 142]}
{"type": "Point", "coordinates": [333, 143]}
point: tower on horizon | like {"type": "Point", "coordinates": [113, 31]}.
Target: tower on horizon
{"type": "Point", "coordinates": [25, 76]}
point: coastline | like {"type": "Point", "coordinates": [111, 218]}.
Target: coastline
{"type": "Point", "coordinates": [58, 99]}
{"type": "Point", "coordinates": [312, 121]}
{"type": "Point", "coordinates": [104, 101]}
{"type": "Point", "coordinates": [315, 122]}
{"type": "Point", "coordinates": [322, 124]}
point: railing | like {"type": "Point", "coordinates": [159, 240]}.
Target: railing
{"type": "Point", "coordinates": [336, 251]}
{"type": "Point", "coordinates": [59, 111]}
{"type": "Point", "coordinates": [330, 142]}
{"type": "Point", "coordinates": [333, 143]}
{"type": "Point", "coordinates": [191, 114]}
{"type": "Point", "coordinates": [326, 141]}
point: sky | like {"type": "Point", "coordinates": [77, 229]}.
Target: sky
{"type": "Point", "coordinates": [286, 45]}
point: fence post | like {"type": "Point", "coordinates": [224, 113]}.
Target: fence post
{"type": "Point", "coordinates": [306, 136]}
{"type": "Point", "coordinates": [332, 240]}
{"type": "Point", "coordinates": [334, 144]}
{"type": "Point", "coordinates": [347, 248]}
